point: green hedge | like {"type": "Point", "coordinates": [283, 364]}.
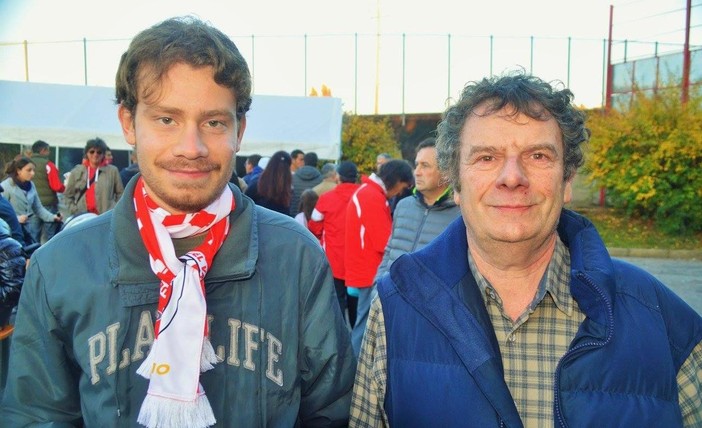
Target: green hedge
{"type": "Point", "coordinates": [649, 159]}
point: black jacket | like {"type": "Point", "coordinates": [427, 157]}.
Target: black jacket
{"type": "Point", "coordinates": [12, 268]}
{"type": "Point", "coordinates": [8, 214]}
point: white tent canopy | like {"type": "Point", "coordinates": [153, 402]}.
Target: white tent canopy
{"type": "Point", "coordinates": [69, 115]}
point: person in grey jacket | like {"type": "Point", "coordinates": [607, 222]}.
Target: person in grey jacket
{"type": "Point", "coordinates": [182, 313]}
{"type": "Point", "coordinates": [304, 178]}
{"type": "Point", "coordinates": [423, 216]}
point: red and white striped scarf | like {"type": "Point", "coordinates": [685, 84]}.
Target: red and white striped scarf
{"type": "Point", "coordinates": [92, 175]}
{"type": "Point", "coordinates": [181, 348]}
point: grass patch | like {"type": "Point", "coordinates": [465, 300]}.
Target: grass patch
{"type": "Point", "coordinates": [618, 231]}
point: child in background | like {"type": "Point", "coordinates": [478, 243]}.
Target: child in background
{"type": "Point", "coordinates": [308, 199]}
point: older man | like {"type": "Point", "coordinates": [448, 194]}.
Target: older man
{"type": "Point", "coordinates": [516, 315]}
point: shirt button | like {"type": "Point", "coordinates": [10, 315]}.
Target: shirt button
{"type": "Point", "coordinates": [491, 294]}
{"type": "Point", "coordinates": [511, 338]}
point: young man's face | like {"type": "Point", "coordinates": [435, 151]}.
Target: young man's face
{"type": "Point", "coordinates": [186, 137]}
{"type": "Point", "coordinates": [398, 188]}
{"type": "Point", "coordinates": [511, 172]}
{"type": "Point", "coordinates": [298, 162]}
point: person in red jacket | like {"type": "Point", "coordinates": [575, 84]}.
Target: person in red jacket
{"type": "Point", "coordinates": [328, 224]}
{"type": "Point", "coordinates": [368, 226]}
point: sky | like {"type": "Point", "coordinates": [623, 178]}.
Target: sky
{"type": "Point", "coordinates": [422, 77]}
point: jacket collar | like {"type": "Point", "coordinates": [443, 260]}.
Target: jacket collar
{"type": "Point", "coordinates": [592, 281]}
{"type": "Point", "coordinates": [374, 180]}
{"type": "Point", "coordinates": [443, 201]}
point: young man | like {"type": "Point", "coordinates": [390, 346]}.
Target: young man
{"type": "Point", "coordinates": [48, 184]}
{"type": "Point", "coordinates": [298, 160]}
{"type": "Point", "coordinates": [175, 308]}
{"type": "Point", "coordinates": [516, 315]}
{"type": "Point", "coordinates": [423, 215]}
{"type": "Point", "coordinates": [253, 170]}
{"type": "Point", "coordinates": [368, 225]}
{"type": "Point", "coordinates": [129, 171]}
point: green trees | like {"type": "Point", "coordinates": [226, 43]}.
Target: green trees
{"type": "Point", "coordinates": [649, 159]}
{"type": "Point", "coordinates": [363, 138]}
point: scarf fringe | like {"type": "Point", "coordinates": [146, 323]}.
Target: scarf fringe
{"type": "Point", "coordinates": [161, 412]}
{"type": "Point", "coordinates": [209, 357]}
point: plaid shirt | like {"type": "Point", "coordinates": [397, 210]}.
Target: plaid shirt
{"type": "Point", "coordinates": [530, 352]}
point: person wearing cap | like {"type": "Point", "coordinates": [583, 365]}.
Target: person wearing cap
{"type": "Point", "coordinates": [328, 224]}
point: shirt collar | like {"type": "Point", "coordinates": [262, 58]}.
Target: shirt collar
{"type": "Point", "coordinates": [377, 180]}
{"type": "Point", "coordinates": [555, 282]}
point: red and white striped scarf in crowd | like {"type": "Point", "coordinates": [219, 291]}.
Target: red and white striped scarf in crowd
{"type": "Point", "coordinates": [92, 175]}
{"type": "Point", "coordinates": [181, 348]}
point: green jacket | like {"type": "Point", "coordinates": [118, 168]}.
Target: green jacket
{"type": "Point", "coordinates": [86, 314]}
{"type": "Point", "coordinates": [41, 181]}
{"type": "Point", "coordinates": [108, 189]}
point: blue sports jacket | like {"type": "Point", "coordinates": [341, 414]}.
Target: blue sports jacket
{"type": "Point", "coordinates": [444, 364]}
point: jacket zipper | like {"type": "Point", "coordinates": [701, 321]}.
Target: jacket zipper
{"type": "Point", "coordinates": [570, 352]}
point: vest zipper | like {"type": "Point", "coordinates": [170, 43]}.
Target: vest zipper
{"type": "Point", "coordinates": [610, 327]}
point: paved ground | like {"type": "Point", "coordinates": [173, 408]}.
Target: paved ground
{"type": "Point", "coordinates": [683, 276]}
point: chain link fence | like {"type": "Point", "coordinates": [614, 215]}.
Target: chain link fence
{"type": "Point", "coordinates": [372, 74]}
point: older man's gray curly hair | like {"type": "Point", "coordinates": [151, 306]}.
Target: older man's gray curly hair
{"type": "Point", "coordinates": [524, 94]}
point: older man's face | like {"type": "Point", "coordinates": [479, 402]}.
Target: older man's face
{"type": "Point", "coordinates": [511, 174]}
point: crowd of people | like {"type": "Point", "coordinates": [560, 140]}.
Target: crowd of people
{"type": "Point", "coordinates": [453, 289]}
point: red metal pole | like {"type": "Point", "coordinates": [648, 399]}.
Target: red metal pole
{"type": "Point", "coordinates": [609, 88]}
{"type": "Point", "coordinates": [686, 56]}
{"type": "Point", "coordinates": [608, 91]}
